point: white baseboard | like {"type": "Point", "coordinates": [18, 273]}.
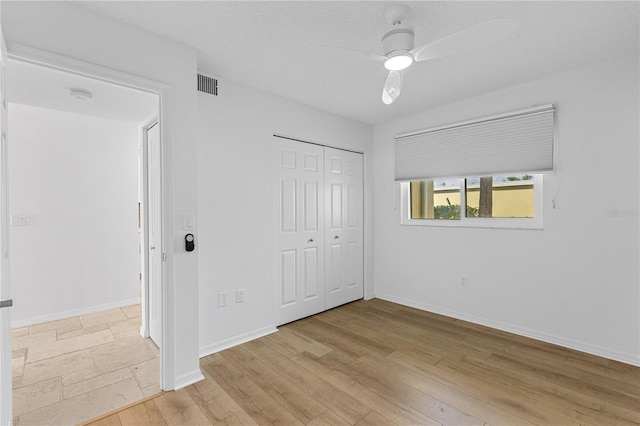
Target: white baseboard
{"type": "Point", "coordinates": [185, 380]}
{"type": "Point", "coordinates": [73, 313]}
{"type": "Point", "coordinates": [144, 332]}
{"type": "Point", "coordinates": [627, 358]}
{"type": "Point", "coordinates": [236, 340]}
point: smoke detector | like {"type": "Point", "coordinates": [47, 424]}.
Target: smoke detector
{"type": "Point", "coordinates": [80, 94]}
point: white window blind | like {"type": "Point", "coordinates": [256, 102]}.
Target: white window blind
{"type": "Point", "coordinates": [516, 142]}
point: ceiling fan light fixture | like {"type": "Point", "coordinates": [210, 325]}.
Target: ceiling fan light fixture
{"type": "Point", "coordinates": [399, 61]}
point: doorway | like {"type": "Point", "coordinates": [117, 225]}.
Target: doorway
{"type": "Point", "coordinates": [78, 222]}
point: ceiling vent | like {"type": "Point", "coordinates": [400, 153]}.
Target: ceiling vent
{"type": "Point", "coordinates": [207, 85]}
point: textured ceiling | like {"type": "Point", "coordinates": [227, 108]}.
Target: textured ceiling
{"type": "Point", "coordinates": [266, 45]}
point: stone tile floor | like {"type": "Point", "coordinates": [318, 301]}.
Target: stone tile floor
{"type": "Point", "coordinates": [72, 370]}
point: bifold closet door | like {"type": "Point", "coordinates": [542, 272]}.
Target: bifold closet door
{"type": "Point", "coordinates": [299, 199]}
{"type": "Point", "coordinates": [344, 257]}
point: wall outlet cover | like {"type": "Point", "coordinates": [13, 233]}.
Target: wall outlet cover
{"type": "Point", "coordinates": [222, 299]}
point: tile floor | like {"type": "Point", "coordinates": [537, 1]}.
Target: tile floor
{"type": "Point", "coordinates": [75, 369]}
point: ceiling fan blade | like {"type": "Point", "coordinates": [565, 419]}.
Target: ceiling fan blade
{"type": "Point", "coordinates": [467, 40]}
{"type": "Point", "coordinates": [346, 52]}
{"type": "Point", "coordinates": [392, 87]}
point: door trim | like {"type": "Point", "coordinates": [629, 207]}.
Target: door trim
{"type": "Point", "coordinates": [54, 61]}
{"type": "Point", "coordinates": [291, 138]}
{"type": "Point", "coordinates": [6, 380]}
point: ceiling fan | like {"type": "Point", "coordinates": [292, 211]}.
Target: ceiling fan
{"type": "Point", "coordinates": [400, 53]}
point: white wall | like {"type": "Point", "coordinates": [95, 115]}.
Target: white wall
{"type": "Point", "coordinates": [235, 175]}
{"type": "Point", "coordinates": [78, 177]}
{"type": "Point", "coordinates": [77, 33]}
{"type": "Point", "coordinates": [576, 282]}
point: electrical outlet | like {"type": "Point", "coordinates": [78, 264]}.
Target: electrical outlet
{"type": "Point", "coordinates": [464, 282]}
{"type": "Point", "coordinates": [222, 299]}
{"type": "Point", "coordinates": [240, 295]}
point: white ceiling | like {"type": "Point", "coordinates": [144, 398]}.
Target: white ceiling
{"type": "Point", "coordinates": [266, 45]}
{"type": "Point", "coordinates": [43, 87]}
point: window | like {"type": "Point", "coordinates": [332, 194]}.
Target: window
{"type": "Point", "coordinates": [500, 196]}
{"type": "Point", "coordinates": [500, 201]}
{"type": "Point", "coordinates": [486, 153]}
{"type": "Point", "coordinates": [435, 199]}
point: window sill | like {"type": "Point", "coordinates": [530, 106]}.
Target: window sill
{"type": "Point", "coordinates": [487, 223]}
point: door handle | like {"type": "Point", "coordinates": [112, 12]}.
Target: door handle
{"type": "Point", "coordinates": [152, 248]}
{"type": "Point", "coordinates": [310, 240]}
{"type": "Point", "coordinates": [336, 237]}
{"type": "Point", "coordinates": [6, 303]}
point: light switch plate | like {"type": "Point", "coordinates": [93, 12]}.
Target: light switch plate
{"type": "Point", "coordinates": [222, 299]}
{"type": "Point", "coordinates": [189, 222]}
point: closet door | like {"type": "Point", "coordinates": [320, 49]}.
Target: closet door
{"type": "Point", "coordinates": [299, 200]}
{"type": "Point", "coordinates": [343, 227]}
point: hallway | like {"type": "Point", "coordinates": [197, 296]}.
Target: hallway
{"type": "Point", "coordinates": [74, 369]}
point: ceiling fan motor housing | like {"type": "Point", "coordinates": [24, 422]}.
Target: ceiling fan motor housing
{"type": "Point", "coordinates": [398, 39]}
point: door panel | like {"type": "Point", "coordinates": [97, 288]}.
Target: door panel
{"type": "Point", "coordinates": [344, 263]}
{"type": "Point", "coordinates": [289, 274]}
{"type": "Point", "coordinates": [351, 264]}
{"type": "Point", "coordinates": [299, 177]}
{"type": "Point", "coordinates": [311, 283]}
{"type": "Point", "coordinates": [353, 212]}
{"type": "Point", "coordinates": [335, 165]}
{"type": "Point", "coordinates": [288, 207]}
{"type": "Point", "coordinates": [336, 206]}
{"type": "Point", "coordinates": [352, 167]}
{"type": "Point", "coordinates": [154, 207]}
{"type": "Point", "coordinates": [335, 268]}
{"type": "Point", "coordinates": [311, 162]}
{"type": "Point", "coordinates": [311, 207]}
{"type": "Point", "coordinates": [288, 159]}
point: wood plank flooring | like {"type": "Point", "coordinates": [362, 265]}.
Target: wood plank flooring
{"type": "Point", "coordinates": [378, 363]}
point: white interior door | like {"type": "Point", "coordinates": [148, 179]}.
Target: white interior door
{"type": "Point", "coordinates": [299, 176]}
{"type": "Point", "coordinates": [154, 217]}
{"type": "Point", "coordinates": [344, 258]}
{"type": "Point", "coordinates": [5, 289]}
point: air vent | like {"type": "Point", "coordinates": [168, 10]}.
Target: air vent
{"type": "Point", "coordinates": [207, 85]}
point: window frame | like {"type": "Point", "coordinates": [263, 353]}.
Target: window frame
{"type": "Point", "coordinates": [476, 222]}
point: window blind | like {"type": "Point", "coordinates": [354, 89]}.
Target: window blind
{"type": "Point", "coordinates": [516, 142]}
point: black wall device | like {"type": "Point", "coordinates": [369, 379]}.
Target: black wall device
{"type": "Point", "coordinates": [189, 244]}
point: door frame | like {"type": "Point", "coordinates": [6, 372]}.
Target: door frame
{"type": "Point", "coordinates": [6, 380]}
{"type": "Point", "coordinates": [163, 91]}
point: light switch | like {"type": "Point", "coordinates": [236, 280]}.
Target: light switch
{"type": "Point", "coordinates": [222, 299]}
{"type": "Point", "coordinates": [189, 222]}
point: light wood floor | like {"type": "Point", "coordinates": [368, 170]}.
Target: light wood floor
{"type": "Point", "coordinates": [378, 363]}
{"type": "Point", "coordinates": [74, 369]}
